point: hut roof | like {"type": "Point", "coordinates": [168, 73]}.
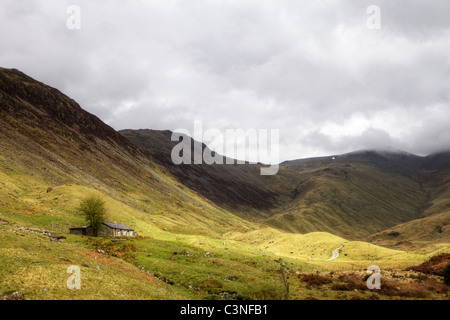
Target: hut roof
{"type": "Point", "coordinates": [119, 226]}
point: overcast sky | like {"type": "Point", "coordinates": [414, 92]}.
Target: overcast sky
{"type": "Point", "coordinates": [312, 69]}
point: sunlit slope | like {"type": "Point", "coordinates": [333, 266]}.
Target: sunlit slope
{"type": "Point", "coordinates": [310, 246]}
{"type": "Point", "coordinates": [317, 247]}
{"type": "Point", "coordinates": [29, 200]}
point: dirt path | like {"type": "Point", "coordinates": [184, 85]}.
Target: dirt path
{"type": "Point", "coordinates": [335, 253]}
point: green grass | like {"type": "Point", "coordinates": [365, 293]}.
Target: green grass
{"type": "Point", "coordinates": [37, 267]}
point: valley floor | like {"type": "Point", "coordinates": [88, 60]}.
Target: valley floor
{"type": "Point", "coordinates": [169, 266]}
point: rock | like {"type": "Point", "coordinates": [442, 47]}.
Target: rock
{"type": "Point", "coordinates": [57, 238]}
{"type": "Point", "coordinates": [16, 295]}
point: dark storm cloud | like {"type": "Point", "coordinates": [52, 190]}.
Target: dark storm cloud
{"type": "Point", "coordinates": [309, 68]}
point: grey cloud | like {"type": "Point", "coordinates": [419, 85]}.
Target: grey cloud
{"type": "Point", "coordinates": [292, 65]}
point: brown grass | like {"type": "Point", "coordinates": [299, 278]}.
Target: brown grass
{"type": "Point", "coordinates": [416, 289]}
{"type": "Point", "coordinates": [124, 251]}
{"type": "Point", "coordinates": [434, 266]}
{"type": "Point", "coordinates": [315, 280]}
{"type": "Point", "coordinates": [371, 297]}
{"type": "Point", "coordinates": [350, 282]}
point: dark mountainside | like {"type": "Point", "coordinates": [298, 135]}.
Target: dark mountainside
{"type": "Point", "coordinates": [233, 186]}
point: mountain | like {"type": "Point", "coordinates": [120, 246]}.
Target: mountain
{"type": "Point", "coordinates": [47, 137]}
{"type": "Point", "coordinates": [386, 159]}
{"type": "Point", "coordinates": [354, 195]}
{"type": "Point", "coordinates": [236, 187]}
{"type": "Point", "coordinates": [436, 161]}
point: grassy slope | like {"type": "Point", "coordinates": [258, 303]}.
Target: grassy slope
{"type": "Point", "coordinates": [431, 230]}
{"type": "Point", "coordinates": [37, 267]}
{"type": "Point", "coordinates": [408, 192]}
{"type": "Point", "coordinates": [317, 247]}
{"type": "Point", "coordinates": [352, 201]}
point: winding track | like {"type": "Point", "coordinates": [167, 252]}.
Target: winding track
{"type": "Point", "coordinates": [335, 253]}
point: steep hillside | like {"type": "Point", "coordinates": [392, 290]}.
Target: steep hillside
{"type": "Point", "coordinates": [433, 224]}
{"type": "Point", "coordinates": [406, 191]}
{"type": "Point", "coordinates": [48, 141]}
